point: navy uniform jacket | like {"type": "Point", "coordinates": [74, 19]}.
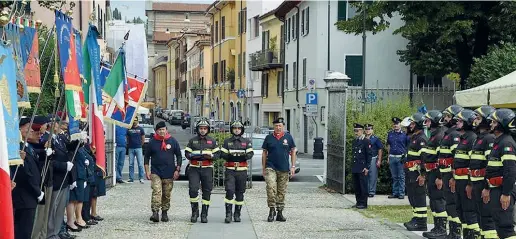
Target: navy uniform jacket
{"type": "Point", "coordinates": [39, 148]}
{"type": "Point", "coordinates": [80, 164]}
{"type": "Point", "coordinates": [28, 180]}
{"type": "Point", "coordinates": [362, 154]}
{"type": "Point", "coordinates": [61, 155]}
{"type": "Point", "coordinates": [198, 146]}
{"type": "Point", "coordinates": [90, 169]}
{"type": "Point", "coordinates": [502, 163]}
{"type": "Point", "coordinates": [239, 145]}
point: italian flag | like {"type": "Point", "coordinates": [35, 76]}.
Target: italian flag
{"type": "Point", "coordinates": [114, 89]}
{"type": "Point", "coordinates": [6, 201]}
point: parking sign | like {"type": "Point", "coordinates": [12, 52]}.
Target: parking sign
{"type": "Point", "coordinates": [311, 98]}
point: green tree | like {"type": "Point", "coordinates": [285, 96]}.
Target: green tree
{"type": "Point", "coordinates": [499, 62]}
{"type": "Point", "coordinates": [443, 37]}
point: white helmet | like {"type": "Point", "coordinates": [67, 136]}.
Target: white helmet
{"type": "Point", "coordinates": [406, 122]}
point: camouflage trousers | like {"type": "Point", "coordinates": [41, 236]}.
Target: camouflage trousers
{"type": "Point", "coordinates": [161, 190]}
{"type": "Point", "coordinates": [276, 182]}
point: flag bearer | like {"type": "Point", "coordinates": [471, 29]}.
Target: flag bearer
{"type": "Point", "coordinates": [437, 201]}
{"type": "Point", "coordinates": [477, 170]}
{"type": "Point", "coordinates": [500, 191]}
{"type": "Point", "coordinates": [201, 151]}
{"type": "Point", "coordinates": [415, 174]}
{"type": "Point", "coordinates": [466, 207]}
{"type": "Point", "coordinates": [236, 151]}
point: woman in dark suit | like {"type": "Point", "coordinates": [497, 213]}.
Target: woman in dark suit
{"type": "Point", "coordinates": [97, 189]}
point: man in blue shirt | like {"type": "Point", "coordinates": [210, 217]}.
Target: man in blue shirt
{"type": "Point", "coordinates": [121, 144]}
{"type": "Point", "coordinates": [135, 141]}
{"type": "Point", "coordinates": [397, 142]}
{"type": "Point", "coordinates": [376, 159]}
{"type": "Point", "coordinates": [277, 147]}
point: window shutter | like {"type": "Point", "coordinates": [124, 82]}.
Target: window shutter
{"type": "Point", "coordinates": [307, 20]}
{"type": "Point", "coordinates": [303, 22]}
{"type": "Point", "coordinates": [342, 9]}
{"type": "Point", "coordinates": [239, 22]}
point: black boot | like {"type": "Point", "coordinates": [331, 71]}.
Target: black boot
{"type": "Point", "coordinates": [409, 222]}
{"type": "Point", "coordinates": [229, 208]}
{"type": "Point", "coordinates": [236, 216]}
{"type": "Point", "coordinates": [439, 230]}
{"type": "Point", "coordinates": [272, 214]}
{"type": "Point", "coordinates": [419, 224]}
{"type": "Point", "coordinates": [195, 212]}
{"type": "Point", "coordinates": [155, 216]}
{"type": "Point", "coordinates": [164, 216]}
{"type": "Point", "coordinates": [204, 213]}
{"type": "Point", "coordinates": [280, 217]}
{"type": "Point", "coordinates": [475, 234]}
{"type": "Point", "coordinates": [455, 231]}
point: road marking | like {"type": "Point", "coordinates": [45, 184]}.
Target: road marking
{"type": "Point", "coordinates": [320, 177]}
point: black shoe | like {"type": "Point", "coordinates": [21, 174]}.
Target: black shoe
{"type": "Point", "coordinates": [392, 196]}
{"type": "Point", "coordinates": [195, 212]}
{"type": "Point", "coordinates": [236, 216]}
{"type": "Point", "coordinates": [155, 216]}
{"type": "Point", "coordinates": [272, 214]}
{"type": "Point", "coordinates": [419, 224]}
{"type": "Point", "coordinates": [204, 213]}
{"type": "Point", "coordinates": [361, 207]}
{"type": "Point", "coordinates": [65, 235]}
{"type": "Point", "coordinates": [82, 227]}
{"type": "Point", "coordinates": [78, 229]}
{"type": "Point", "coordinates": [439, 230]}
{"type": "Point", "coordinates": [97, 218]}
{"type": "Point", "coordinates": [164, 216]}
{"type": "Point", "coordinates": [229, 212]}
{"type": "Point", "coordinates": [280, 217]}
{"type": "Point", "coordinates": [371, 195]}
{"type": "Point", "coordinates": [401, 197]}
{"type": "Point", "coordinates": [455, 230]}
{"type": "Point", "coordinates": [91, 222]}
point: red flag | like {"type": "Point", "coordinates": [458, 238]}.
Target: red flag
{"type": "Point", "coordinates": [32, 74]}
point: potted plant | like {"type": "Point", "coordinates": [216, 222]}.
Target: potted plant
{"type": "Point", "coordinates": [271, 56]}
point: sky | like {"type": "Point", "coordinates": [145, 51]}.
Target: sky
{"type": "Point", "coordinates": [136, 8]}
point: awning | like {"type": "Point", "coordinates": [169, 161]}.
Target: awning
{"type": "Point", "coordinates": [500, 93]}
{"type": "Point", "coordinates": [143, 110]}
{"type": "Point", "coordinates": [147, 104]}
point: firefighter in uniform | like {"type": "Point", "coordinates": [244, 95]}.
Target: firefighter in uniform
{"type": "Point", "coordinates": [466, 207]}
{"type": "Point", "coordinates": [500, 191]}
{"type": "Point", "coordinates": [415, 174]}
{"type": "Point", "coordinates": [477, 170]}
{"type": "Point", "coordinates": [437, 201]}
{"type": "Point", "coordinates": [201, 150]}
{"type": "Point", "coordinates": [236, 151]}
{"type": "Point", "coordinates": [448, 144]}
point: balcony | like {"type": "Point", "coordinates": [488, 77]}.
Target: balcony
{"type": "Point", "coordinates": [265, 60]}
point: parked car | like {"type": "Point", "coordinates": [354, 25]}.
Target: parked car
{"type": "Point", "coordinates": [176, 117]}
{"type": "Point", "coordinates": [185, 123]}
{"type": "Point", "coordinates": [256, 162]}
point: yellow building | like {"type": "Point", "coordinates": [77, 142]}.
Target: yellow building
{"type": "Point", "coordinates": [228, 44]}
{"type": "Point", "coordinates": [160, 76]}
{"type": "Point", "coordinates": [269, 61]}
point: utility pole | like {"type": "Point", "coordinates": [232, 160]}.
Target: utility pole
{"type": "Point", "coordinates": [364, 14]}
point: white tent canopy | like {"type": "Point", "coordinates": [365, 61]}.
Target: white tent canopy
{"type": "Point", "coordinates": [143, 110]}
{"type": "Point", "coordinates": [500, 93]}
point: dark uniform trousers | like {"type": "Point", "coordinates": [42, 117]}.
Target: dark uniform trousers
{"type": "Point", "coordinates": [200, 176]}
{"type": "Point", "coordinates": [361, 186]}
{"type": "Point", "coordinates": [437, 200]}
{"type": "Point", "coordinates": [504, 219]}
{"type": "Point", "coordinates": [235, 181]}
{"type": "Point", "coordinates": [487, 226]}
{"type": "Point", "coordinates": [22, 226]}
{"type": "Point", "coordinates": [451, 205]}
{"type": "Point", "coordinates": [416, 194]}
{"type": "Point", "coordinates": [466, 208]}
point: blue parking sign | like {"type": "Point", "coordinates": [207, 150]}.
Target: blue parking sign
{"type": "Point", "coordinates": [311, 98]}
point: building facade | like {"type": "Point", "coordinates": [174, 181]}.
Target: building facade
{"type": "Point", "coordinates": [313, 46]}
{"type": "Point", "coordinates": [160, 78]}
{"type": "Point", "coordinates": [167, 20]}
{"type": "Point", "coordinates": [228, 44]}
{"type": "Point", "coordinates": [269, 61]}
{"type": "Point", "coordinates": [199, 77]}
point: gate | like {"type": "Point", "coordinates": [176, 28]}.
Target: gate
{"type": "Point", "coordinates": [336, 86]}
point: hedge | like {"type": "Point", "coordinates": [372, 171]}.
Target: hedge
{"type": "Point", "coordinates": [379, 115]}
{"type": "Point", "coordinates": [218, 164]}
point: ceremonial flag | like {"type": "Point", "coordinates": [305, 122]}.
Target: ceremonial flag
{"type": "Point", "coordinates": [31, 57]}
{"type": "Point", "coordinates": [92, 86]}
{"type": "Point", "coordinates": [13, 34]}
{"type": "Point", "coordinates": [135, 94]}
{"type": "Point", "coordinates": [6, 201]}
{"type": "Point", "coordinates": [8, 84]}
{"type": "Point", "coordinates": [69, 67]}
{"type": "Point", "coordinates": [114, 88]}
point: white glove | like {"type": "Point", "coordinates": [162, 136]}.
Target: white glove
{"type": "Point", "coordinates": [49, 151]}
{"type": "Point", "coordinates": [84, 135]}
{"type": "Point", "coordinates": [74, 185]}
{"type": "Point", "coordinates": [41, 196]}
{"type": "Point", "coordinates": [84, 184]}
{"type": "Point", "coordinates": [87, 162]}
{"type": "Point", "coordinates": [69, 166]}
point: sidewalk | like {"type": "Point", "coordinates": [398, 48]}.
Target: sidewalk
{"type": "Point", "coordinates": [311, 213]}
